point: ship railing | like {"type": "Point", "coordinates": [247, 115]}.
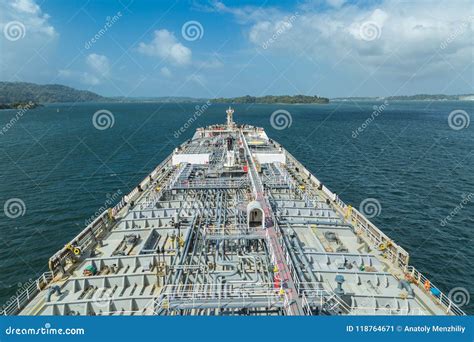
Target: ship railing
{"type": "Point", "coordinates": [144, 184]}
{"type": "Point", "coordinates": [82, 241]}
{"type": "Point", "coordinates": [420, 280]}
{"type": "Point", "coordinates": [16, 303]}
{"type": "Point", "coordinates": [380, 241]}
{"type": "Point", "coordinates": [232, 230]}
{"type": "Point", "coordinates": [175, 178]}
{"type": "Point", "coordinates": [305, 304]}
{"type": "Point", "coordinates": [397, 254]}
{"type": "Point", "coordinates": [218, 295]}
{"type": "Point", "coordinates": [89, 235]}
{"type": "Point", "coordinates": [210, 184]}
{"type": "Point", "coordinates": [287, 305]}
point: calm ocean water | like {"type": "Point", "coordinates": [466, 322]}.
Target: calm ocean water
{"type": "Point", "coordinates": [408, 158]}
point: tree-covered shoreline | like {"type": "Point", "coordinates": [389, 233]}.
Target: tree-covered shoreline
{"type": "Point", "coordinates": [269, 99]}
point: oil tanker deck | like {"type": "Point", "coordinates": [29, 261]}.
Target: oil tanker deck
{"type": "Point", "coordinates": [231, 224]}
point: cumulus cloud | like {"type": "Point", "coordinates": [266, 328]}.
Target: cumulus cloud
{"type": "Point", "coordinates": [166, 46]}
{"type": "Point", "coordinates": [98, 68]}
{"type": "Point", "coordinates": [27, 39]}
{"type": "Point", "coordinates": [98, 63]}
{"type": "Point", "coordinates": [384, 36]}
{"type": "Point", "coordinates": [29, 13]}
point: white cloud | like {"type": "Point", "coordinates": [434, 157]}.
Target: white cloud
{"type": "Point", "coordinates": [98, 63]}
{"type": "Point", "coordinates": [98, 69]}
{"type": "Point", "coordinates": [27, 39]}
{"type": "Point", "coordinates": [29, 13]}
{"type": "Point", "coordinates": [165, 72]}
{"type": "Point", "coordinates": [26, 6]}
{"type": "Point", "coordinates": [165, 45]}
{"type": "Point", "coordinates": [406, 37]}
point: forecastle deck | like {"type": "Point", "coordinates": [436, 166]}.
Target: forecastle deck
{"type": "Point", "coordinates": [231, 224]}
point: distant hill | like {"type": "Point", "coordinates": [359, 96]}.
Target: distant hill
{"type": "Point", "coordinates": [161, 99]}
{"type": "Point", "coordinates": [295, 99]}
{"type": "Point", "coordinates": [21, 92]}
{"type": "Point", "coordinates": [418, 97]}
{"type": "Point", "coordinates": [427, 97]}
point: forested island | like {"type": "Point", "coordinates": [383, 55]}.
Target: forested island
{"type": "Point", "coordinates": [23, 92]}
{"type": "Point", "coordinates": [19, 105]}
{"type": "Point", "coordinates": [417, 97]}
{"type": "Point", "coordinates": [268, 99]}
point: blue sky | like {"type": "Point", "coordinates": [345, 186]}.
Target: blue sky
{"type": "Point", "coordinates": [324, 47]}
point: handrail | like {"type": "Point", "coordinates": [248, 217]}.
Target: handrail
{"type": "Point", "coordinates": [397, 254]}
{"type": "Point", "coordinates": [18, 302]}
{"type": "Point", "coordinates": [91, 232]}
{"type": "Point", "coordinates": [445, 301]}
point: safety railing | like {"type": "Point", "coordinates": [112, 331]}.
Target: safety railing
{"type": "Point", "coordinates": [16, 303]}
{"type": "Point", "coordinates": [211, 183]}
{"type": "Point", "coordinates": [143, 185]}
{"type": "Point", "coordinates": [218, 295]}
{"type": "Point", "coordinates": [82, 241]}
{"type": "Point", "coordinates": [397, 254]}
{"type": "Point", "coordinates": [419, 279]}
{"type": "Point", "coordinates": [92, 232]}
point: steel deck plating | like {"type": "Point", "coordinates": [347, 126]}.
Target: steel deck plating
{"type": "Point", "coordinates": [231, 224]}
